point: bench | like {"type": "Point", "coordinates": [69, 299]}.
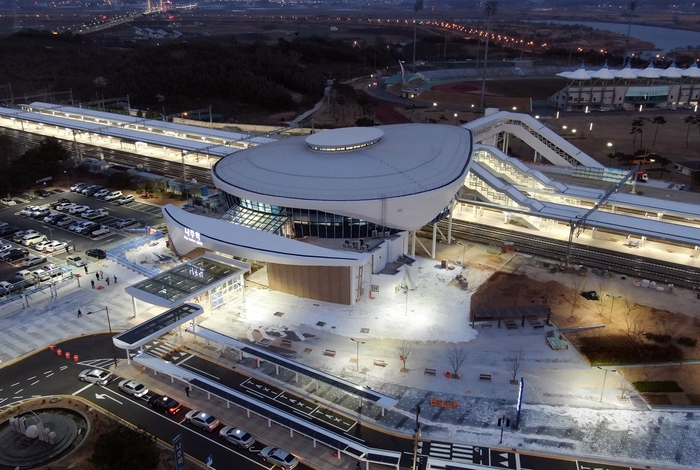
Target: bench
{"type": "Point", "coordinates": [430, 372]}
{"type": "Point", "coordinates": [329, 352]}
{"type": "Point", "coordinates": [485, 377]}
{"type": "Point", "coordinates": [379, 362]}
{"type": "Point", "coordinates": [286, 343]}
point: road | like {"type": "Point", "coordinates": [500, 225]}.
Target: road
{"type": "Point", "coordinates": [46, 374]}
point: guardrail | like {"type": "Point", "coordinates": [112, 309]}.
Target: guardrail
{"type": "Point", "coordinates": [117, 253]}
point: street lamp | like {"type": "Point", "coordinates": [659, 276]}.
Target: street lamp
{"type": "Point", "coordinates": [358, 342]}
{"type": "Point", "coordinates": [604, 379]}
{"type": "Point", "coordinates": [109, 323]}
{"type": "Point", "coordinates": [613, 303]}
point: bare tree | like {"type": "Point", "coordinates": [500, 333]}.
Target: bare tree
{"type": "Point", "coordinates": [634, 321]}
{"type": "Point", "coordinates": [573, 296]}
{"type": "Point", "coordinates": [405, 350]}
{"type": "Point", "coordinates": [456, 356]}
{"type": "Point", "coordinates": [515, 361]}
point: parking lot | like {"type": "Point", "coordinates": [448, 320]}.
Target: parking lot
{"type": "Point", "coordinates": [145, 215]}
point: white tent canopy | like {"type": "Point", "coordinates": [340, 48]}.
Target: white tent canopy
{"type": "Point", "coordinates": [603, 73]}
{"type": "Point", "coordinates": [627, 73]}
{"type": "Point", "coordinates": [649, 72]}
{"type": "Point", "coordinates": [671, 72]}
{"type": "Point", "coordinates": [692, 71]}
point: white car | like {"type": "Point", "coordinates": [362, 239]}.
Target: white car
{"type": "Point", "coordinates": [65, 222]}
{"type": "Point", "coordinates": [27, 211]}
{"type": "Point", "coordinates": [42, 245]}
{"type": "Point", "coordinates": [114, 195]}
{"type": "Point", "coordinates": [79, 209]}
{"type": "Point", "coordinates": [33, 261]}
{"type": "Point", "coordinates": [55, 247]}
{"type": "Point", "coordinates": [95, 376]}
{"type": "Point", "coordinates": [6, 201]}
{"type": "Point", "coordinates": [125, 199]}
{"type": "Point", "coordinates": [65, 206]}
{"type": "Point", "coordinates": [133, 388]}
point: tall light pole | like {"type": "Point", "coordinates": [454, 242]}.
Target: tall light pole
{"type": "Point", "coordinates": [605, 377]}
{"type": "Point", "coordinates": [633, 5]}
{"type": "Point", "coordinates": [358, 342]}
{"type": "Point", "coordinates": [613, 303]}
{"type": "Point", "coordinates": [416, 6]}
{"type": "Point", "coordinates": [109, 323]}
{"type": "Point", "coordinates": [416, 435]}
{"type": "Point", "coordinates": [490, 11]}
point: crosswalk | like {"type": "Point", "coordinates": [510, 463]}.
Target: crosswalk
{"type": "Point", "coordinates": [99, 363]}
{"type": "Point", "coordinates": [164, 350]}
{"type": "Point", "coordinates": [457, 452]}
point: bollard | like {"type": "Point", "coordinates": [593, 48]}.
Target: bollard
{"type": "Point", "coordinates": [59, 352]}
{"type": "Point", "coordinates": [257, 363]}
{"type": "Point", "coordinates": [52, 347]}
{"type": "Point", "coordinates": [67, 355]}
{"type": "Point", "coordinates": [75, 357]}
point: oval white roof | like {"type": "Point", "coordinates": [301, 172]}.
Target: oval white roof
{"type": "Point", "coordinates": [350, 138]}
{"type": "Point", "coordinates": [408, 159]}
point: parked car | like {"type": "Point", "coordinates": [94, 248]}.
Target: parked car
{"type": "Point", "coordinates": [97, 231]}
{"type": "Point", "coordinates": [78, 187]}
{"type": "Point", "coordinates": [33, 261]}
{"type": "Point", "coordinates": [15, 285]}
{"type": "Point", "coordinates": [42, 193]}
{"type": "Point", "coordinates": [76, 261]}
{"type": "Point", "coordinates": [95, 376]}
{"type": "Point", "coordinates": [6, 201]}
{"type": "Point", "coordinates": [91, 192]}
{"type": "Point", "coordinates": [78, 209]}
{"type": "Point", "coordinates": [18, 236]}
{"type": "Point", "coordinates": [56, 247]}
{"type": "Point", "coordinates": [113, 196]}
{"type": "Point", "coordinates": [164, 403]}
{"type": "Point", "coordinates": [5, 247]}
{"type": "Point", "coordinates": [126, 223]}
{"type": "Point", "coordinates": [65, 222]}
{"type": "Point", "coordinates": [101, 193]}
{"type": "Point", "coordinates": [87, 228]}
{"type": "Point", "coordinates": [133, 388]}
{"type": "Point", "coordinates": [27, 211]}
{"type": "Point", "coordinates": [89, 188]}
{"type": "Point", "coordinates": [279, 457]}
{"type": "Point", "coordinates": [237, 436]}
{"type": "Point", "coordinates": [15, 254]}
{"type": "Point", "coordinates": [33, 238]}
{"type": "Point", "coordinates": [46, 272]}
{"type": "Point", "coordinates": [42, 245]}
{"type": "Point", "coordinates": [75, 225]}
{"type": "Point", "coordinates": [203, 420]}
{"type": "Point", "coordinates": [57, 217]}
{"type": "Point", "coordinates": [66, 206]}
{"type": "Point", "coordinates": [41, 213]}
{"type": "Point", "coordinates": [6, 230]}
{"type": "Point", "coordinates": [96, 253]}
{"type": "Point", "coordinates": [55, 204]}
{"type": "Point", "coordinates": [95, 214]}
{"type": "Point", "coordinates": [125, 199]}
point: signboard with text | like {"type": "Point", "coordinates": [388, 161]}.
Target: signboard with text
{"type": "Point", "coordinates": [179, 452]}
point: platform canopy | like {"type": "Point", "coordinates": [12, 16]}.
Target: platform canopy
{"type": "Point", "coordinates": [157, 326]}
{"type": "Point", "coordinates": [188, 280]}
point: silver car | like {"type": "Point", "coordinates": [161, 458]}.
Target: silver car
{"type": "Point", "coordinates": [279, 457]}
{"type": "Point", "coordinates": [133, 388]}
{"type": "Point", "coordinates": [202, 420]}
{"type": "Point", "coordinates": [237, 436]}
{"type": "Point", "coordinates": [95, 376]}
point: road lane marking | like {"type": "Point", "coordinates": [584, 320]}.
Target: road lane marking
{"type": "Point", "coordinates": [19, 390]}
{"type": "Point", "coordinates": [48, 372]}
{"type": "Point", "coordinates": [35, 382]}
{"type": "Point", "coordinates": [84, 388]}
{"type": "Point", "coordinates": [17, 398]}
{"type": "Point", "coordinates": [253, 392]}
{"type": "Point", "coordinates": [64, 367]}
{"type": "Point", "coordinates": [49, 375]}
{"type": "Point", "coordinates": [32, 377]}
{"type": "Point", "coordinates": [14, 384]}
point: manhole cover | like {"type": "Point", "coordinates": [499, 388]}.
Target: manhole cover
{"type": "Point", "coordinates": [364, 330]}
{"type": "Point", "coordinates": [264, 342]}
{"type": "Point", "coordinates": [279, 314]}
{"type": "Point", "coordinates": [321, 323]}
{"type": "Point", "coordinates": [307, 350]}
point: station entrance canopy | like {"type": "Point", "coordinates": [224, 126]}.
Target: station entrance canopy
{"type": "Point", "coordinates": [186, 281]}
{"type": "Point", "coordinates": [157, 326]}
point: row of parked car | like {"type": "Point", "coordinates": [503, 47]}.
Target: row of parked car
{"type": "Point", "coordinates": [201, 419]}
{"type": "Point", "coordinates": [99, 192]}
{"type": "Point", "coordinates": [26, 278]}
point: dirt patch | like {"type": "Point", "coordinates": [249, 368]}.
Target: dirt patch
{"type": "Point", "coordinates": [505, 289]}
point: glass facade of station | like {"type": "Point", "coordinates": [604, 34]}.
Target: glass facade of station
{"type": "Point", "coordinates": [299, 223]}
